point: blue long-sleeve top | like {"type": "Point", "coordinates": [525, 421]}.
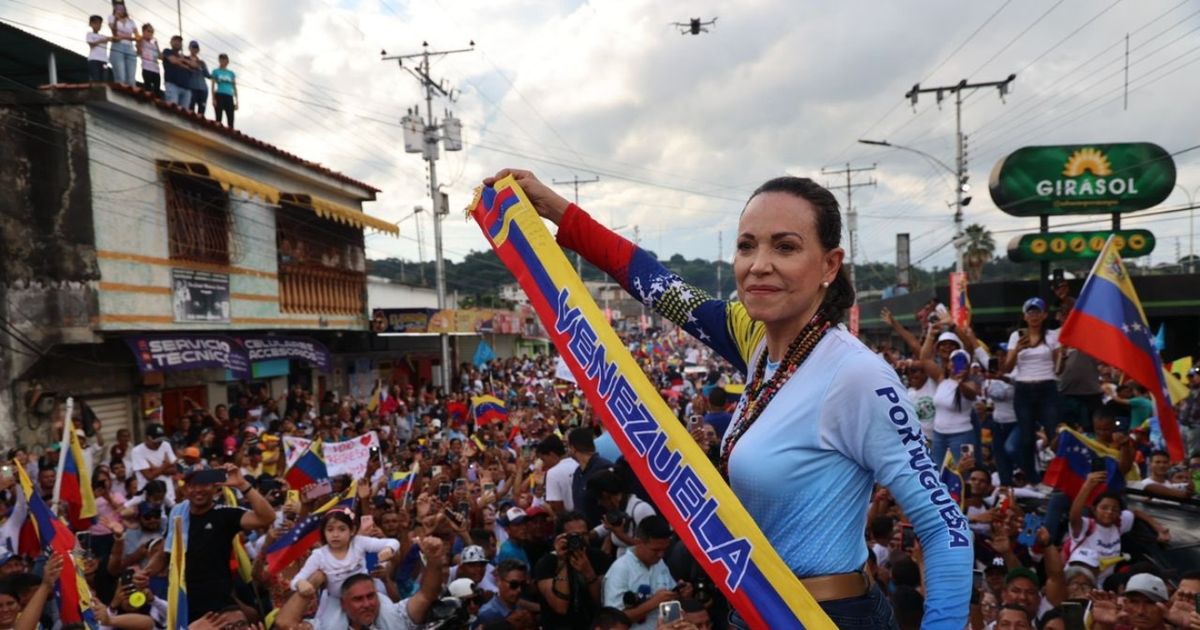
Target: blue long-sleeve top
{"type": "Point", "coordinates": [806, 469]}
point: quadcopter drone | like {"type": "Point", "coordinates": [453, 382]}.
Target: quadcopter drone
{"type": "Point", "coordinates": [694, 26]}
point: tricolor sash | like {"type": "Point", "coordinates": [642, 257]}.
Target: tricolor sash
{"type": "Point", "coordinates": [685, 485]}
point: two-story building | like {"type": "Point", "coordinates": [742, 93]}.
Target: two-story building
{"type": "Point", "coordinates": [150, 257]}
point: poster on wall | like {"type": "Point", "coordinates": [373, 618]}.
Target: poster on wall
{"type": "Point", "coordinates": [200, 296]}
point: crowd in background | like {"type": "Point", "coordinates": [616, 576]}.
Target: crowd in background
{"type": "Point", "coordinates": [117, 45]}
{"type": "Point", "coordinates": [530, 517]}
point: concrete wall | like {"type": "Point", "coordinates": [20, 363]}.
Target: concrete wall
{"type": "Point", "coordinates": [384, 294]}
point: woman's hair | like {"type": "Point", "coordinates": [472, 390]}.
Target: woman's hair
{"type": "Point", "coordinates": [1115, 495]}
{"type": "Point", "coordinates": [840, 294]}
{"type": "Point", "coordinates": [342, 516]}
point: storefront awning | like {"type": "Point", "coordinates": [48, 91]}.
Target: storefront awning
{"type": "Point", "coordinates": [226, 179]}
{"type": "Point", "coordinates": [337, 212]}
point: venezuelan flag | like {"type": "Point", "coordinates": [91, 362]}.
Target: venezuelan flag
{"type": "Point", "coordinates": [1108, 323]}
{"type": "Point", "coordinates": [75, 483]}
{"type": "Point", "coordinates": [952, 478]}
{"type": "Point", "coordinates": [488, 409]}
{"type": "Point", "coordinates": [478, 443]}
{"type": "Point", "coordinates": [1073, 462]}
{"type": "Point", "coordinates": [72, 593]}
{"type": "Point", "coordinates": [401, 483]}
{"type": "Point", "coordinates": [177, 600]}
{"type": "Point", "coordinates": [305, 534]}
{"type": "Point", "coordinates": [378, 395]}
{"type": "Point", "coordinates": [458, 411]}
{"type": "Point", "coordinates": [309, 468]}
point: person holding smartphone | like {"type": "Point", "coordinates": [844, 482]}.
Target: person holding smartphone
{"type": "Point", "coordinates": [946, 364]}
{"type": "Point", "coordinates": [1033, 352]}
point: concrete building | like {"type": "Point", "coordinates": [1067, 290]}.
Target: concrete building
{"type": "Point", "coordinates": [126, 217]}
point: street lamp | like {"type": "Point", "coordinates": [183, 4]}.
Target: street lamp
{"type": "Point", "coordinates": [961, 187]}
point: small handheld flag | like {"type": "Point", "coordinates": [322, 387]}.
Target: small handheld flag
{"type": "Point", "coordinates": [177, 600]}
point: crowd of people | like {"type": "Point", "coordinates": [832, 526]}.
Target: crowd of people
{"type": "Point", "coordinates": [535, 521]}
{"type": "Point", "coordinates": [182, 77]}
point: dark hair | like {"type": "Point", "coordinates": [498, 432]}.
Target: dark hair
{"type": "Point", "coordinates": [569, 517]}
{"type": "Point", "coordinates": [882, 526]}
{"type": "Point", "coordinates": [690, 605]}
{"type": "Point", "coordinates": [508, 566]}
{"type": "Point", "coordinates": [1115, 495]}
{"type": "Point", "coordinates": [1050, 615]}
{"type": "Point", "coordinates": [355, 579]}
{"type": "Point", "coordinates": [581, 439]}
{"type": "Point", "coordinates": [226, 57]}
{"type": "Point", "coordinates": [906, 572]}
{"type": "Point", "coordinates": [1020, 609]}
{"type": "Point", "coordinates": [551, 444]}
{"type": "Point", "coordinates": [608, 618]}
{"type": "Point", "coordinates": [95, 18]}
{"type": "Point", "coordinates": [336, 515]}
{"type": "Point", "coordinates": [909, 607]}
{"type": "Point", "coordinates": [840, 294]}
{"type": "Point", "coordinates": [605, 481]}
{"type": "Point", "coordinates": [1158, 453]}
{"type": "Point", "coordinates": [653, 527]}
{"type": "Point", "coordinates": [717, 398]}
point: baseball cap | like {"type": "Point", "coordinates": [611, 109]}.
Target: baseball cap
{"type": "Point", "coordinates": [191, 451]}
{"type": "Point", "coordinates": [1149, 585]}
{"type": "Point", "coordinates": [435, 423]}
{"type": "Point", "coordinates": [473, 553]}
{"type": "Point", "coordinates": [514, 516]}
{"type": "Point", "coordinates": [206, 476]}
{"type": "Point", "coordinates": [193, 44]}
{"type": "Point", "coordinates": [997, 563]}
{"type": "Point", "coordinates": [536, 510]}
{"type": "Point", "coordinates": [149, 508]}
{"type": "Point", "coordinates": [949, 336]}
{"type": "Point", "coordinates": [155, 431]}
{"type": "Point", "coordinates": [462, 588]}
{"type": "Point", "coordinates": [1034, 303]}
{"type": "Point", "coordinates": [6, 555]}
{"type": "Point", "coordinates": [1022, 572]}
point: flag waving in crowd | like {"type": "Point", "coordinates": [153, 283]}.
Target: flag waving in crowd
{"type": "Point", "coordinates": [488, 409]}
{"type": "Point", "coordinates": [1078, 455]}
{"type": "Point", "coordinates": [1108, 323]}
{"type": "Point", "coordinates": [74, 479]}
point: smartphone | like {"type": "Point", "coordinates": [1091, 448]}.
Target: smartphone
{"type": "Point", "coordinates": [437, 471]}
{"type": "Point", "coordinates": [1073, 615]}
{"type": "Point", "coordinates": [977, 579]}
{"type": "Point", "coordinates": [967, 450]}
{"type": "Point", "coordinates": [959, 360]}
{"type": "Point", "coordinates": [1197, 602]}
{"type": "Point", "coordinates": [669, 612]}
{"type": "Point", "coordinates": [127, 577]}
{"type": "Point", "coordinates": [489, 487]}
{"type": "Point", "coordinates": [1099, 465]}
{"type": "Point", "coordinates": [367, 522]}
{"type": "Point", "coordinates": [907, 537]}
{"type": "Point", "coordinates": [464, 508]}
{"type": "Point", "coordinates": [444, 490]}
{"type": "Point", "coordinates": [694, 421]}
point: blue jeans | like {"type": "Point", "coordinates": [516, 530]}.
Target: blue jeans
{"type": "Point", "coordinates": [872, 610]}
{"type": "Point", "coordinates": [123, 59]}
{"type": "Point", "coordinates": [180, 96]}
{"type": "Point", "coordinates": [952, 442]}
{"type": "Point", "coordinates": [1036, 406]}
{"type": "Point", "coordinates": [1006, 449]}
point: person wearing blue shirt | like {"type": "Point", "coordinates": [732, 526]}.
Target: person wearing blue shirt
{"type": "Point", "coordinates": [718, 417]}
{"type": "Point", "coordinates": [822, 420]}
{"type": "Point", "coordinates": [512, 577]}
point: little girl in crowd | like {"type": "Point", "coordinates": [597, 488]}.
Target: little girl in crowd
{"type": "Point", "coordinates": [342, 554]}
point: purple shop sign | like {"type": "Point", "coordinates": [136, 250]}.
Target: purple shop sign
{"type": "Point", "coordinates": [266, 348]}
{"type": "Point", "coordinates": [178, 353]}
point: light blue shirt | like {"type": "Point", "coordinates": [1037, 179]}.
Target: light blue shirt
{"type": "Point", "coordinates": [806, 468]}
{"type": "Point", "coordinates": [628, 574]}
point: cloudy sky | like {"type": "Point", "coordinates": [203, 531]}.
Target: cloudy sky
{"type": "Point", "coordinates": [680, 129]}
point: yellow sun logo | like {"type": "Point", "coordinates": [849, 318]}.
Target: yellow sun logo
{"type": "Point", "coordinates": [1087, 159]}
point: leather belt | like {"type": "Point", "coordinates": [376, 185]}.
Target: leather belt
{"type": "Point", "coordinates": [826, 588]}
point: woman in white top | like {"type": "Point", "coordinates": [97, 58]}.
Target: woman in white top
{"type": "Point", "coordinates": [122, 56]}
{"type": "Point", "coordinates": [1006, 441]}
{"type": "Point", "coordinates": [952, 395]}
{"type": "Point", "coordinates": [1033, 351]}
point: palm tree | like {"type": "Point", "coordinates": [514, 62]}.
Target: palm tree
{"type": "Point", "coordinates": [980, 248]}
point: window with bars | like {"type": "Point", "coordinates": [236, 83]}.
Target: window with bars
{"type": "Point", "coordinates": [198, 220]}
{"type": "Point", "coordinates": [322, 264]}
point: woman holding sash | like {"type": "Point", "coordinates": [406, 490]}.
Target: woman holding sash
{"type": "Point", "coordinates": [822, 419]}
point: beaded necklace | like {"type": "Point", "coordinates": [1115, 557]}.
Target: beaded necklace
{"type": "Point", "coordinates": [760, 391]}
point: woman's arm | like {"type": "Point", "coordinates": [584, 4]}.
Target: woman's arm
{"type": "Point", "coordinates": [1081, 501]}
{"type": "Point", "coordinates": [909, 339]}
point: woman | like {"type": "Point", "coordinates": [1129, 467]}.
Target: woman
{"type": "Point", "coordinates": [802, 453]}
{"type": "Point", "coordinates": [1033, 352]}
{"type": "Point", "coordinates": [122, 56]}
{"type": "Point", "coordinates": [953, 394]}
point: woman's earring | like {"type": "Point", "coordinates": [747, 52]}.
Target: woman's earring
{"type": "Point", "coordinates": [824, 285]}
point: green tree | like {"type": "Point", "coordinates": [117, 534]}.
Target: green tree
{"type": "Point", "coordinates": [980, 249]}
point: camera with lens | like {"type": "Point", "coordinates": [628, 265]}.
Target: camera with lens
{"type": "Point", "coordinates": [703, 591]}
{"type": "Point", "coordinates": [616, 518]}
{"type": "Point", "coordinates": [633, 600]}
{"type": "Point", "coordinates": [575, 542]}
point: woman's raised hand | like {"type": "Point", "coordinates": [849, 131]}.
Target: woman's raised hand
{"type": "Point", "coordinates": [549, 204]}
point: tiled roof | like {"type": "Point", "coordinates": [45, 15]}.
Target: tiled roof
{"type": "Point", "coordinates": [212, 125]}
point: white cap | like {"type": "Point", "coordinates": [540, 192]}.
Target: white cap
{"type": "Point", "coordinates": [949, 336]}
{"type": "Point", "coordinates": [462, 588]}
{"type": "Point", "coordinates": [1149, 585]}
{"type": "Point", "coordinates": [473, 553]}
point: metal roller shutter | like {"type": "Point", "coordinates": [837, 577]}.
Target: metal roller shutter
{"type": "Point", "coordinates": [114, 413]}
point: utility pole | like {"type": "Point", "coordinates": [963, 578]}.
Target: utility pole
{"type": "Point", "coordinates": [575, 182]}
{"type": "Point", "coordinates": [423, 137]}
{"type": "Point", "coordinates": [851, 212]}
{"type": "Point", "coordinates": [1003, 87]}
{"type": "Point", "coordinates": [179, 16]}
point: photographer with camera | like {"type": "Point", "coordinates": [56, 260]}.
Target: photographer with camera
{"type": "Point", "coordinates": [622, 512]}
{"type": "Point", "coordinates": [569, 578]}
{"type": "Point", "coordinates": [639, 581]}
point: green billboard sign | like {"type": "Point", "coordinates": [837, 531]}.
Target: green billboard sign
{"type": "Point", "coordinates": [1042, 246]}
{"type": "Point", "coordinates": [1082, 179]}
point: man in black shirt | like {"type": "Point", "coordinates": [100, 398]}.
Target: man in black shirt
{"type": "Point", "coordinates": [582, 447]}
{"type": "Point", "coordinates": [569, 578]}
{"type": "Point", "coordinates": [211, 528]}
